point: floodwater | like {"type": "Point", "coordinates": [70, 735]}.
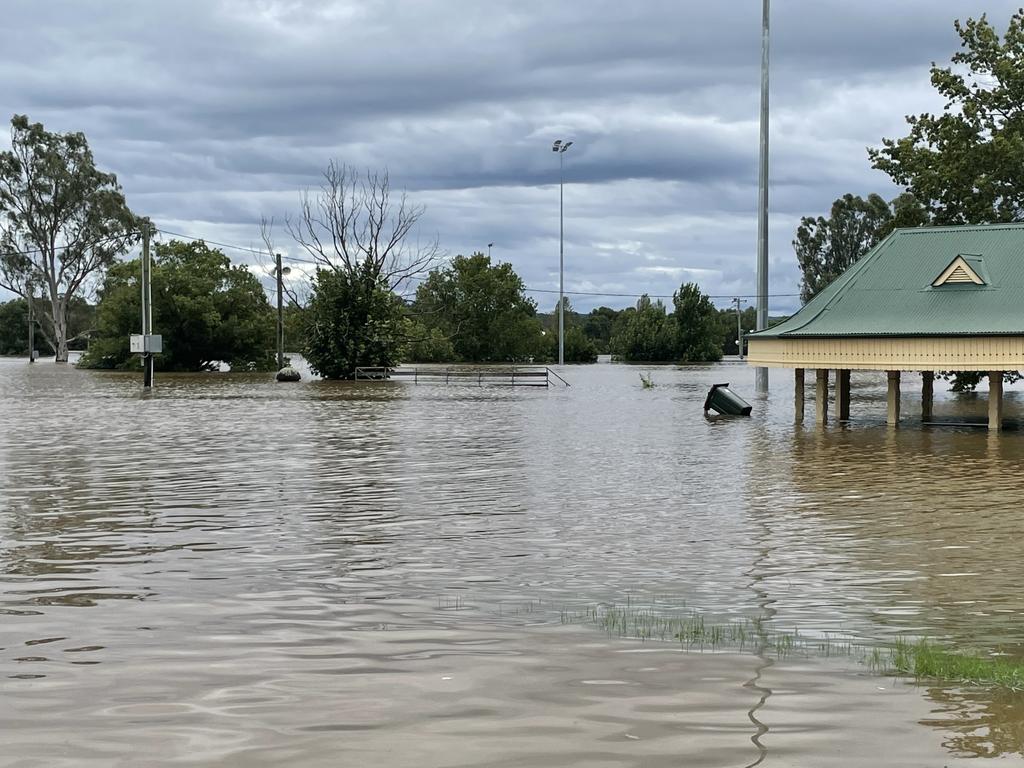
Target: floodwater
{"type": "Point", "coordinates": [242, 573]}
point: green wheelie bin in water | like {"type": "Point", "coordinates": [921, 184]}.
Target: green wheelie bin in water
{"type": "Point", "coordinates": [723, 400]}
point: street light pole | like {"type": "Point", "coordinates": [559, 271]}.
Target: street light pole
{"type": "Point", "coordinates": [489, 250]}
{"type": "Point", "coordinates": [761, 376]}
{"type": "Point", "coordinates": [560, 147]}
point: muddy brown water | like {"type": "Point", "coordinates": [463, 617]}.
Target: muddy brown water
{"type": "Point", "coordinates": [237, 572]}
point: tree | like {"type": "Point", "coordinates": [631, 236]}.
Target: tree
{"type": "Point", "coordinates": [427, 345]}
{"type": "Point", "coordinates": [698, 334]}
{"type": "Point", "coordinates": [644, 334]}
{"type": "Point", "coordinates": [354, 227]}
{"type": "Point", "coordinates": [578, 348]}
{"type": "Point", "coordinates": [597, 326]}
{"type": "Point", "coordinates": [482, 308]}
{"type": "Point", "coordinates": [14, 327]}
{"type": "Point", "coordinates": [825, 248]}
{"type": "Point", "coordinates": [353, 321]}
{"type": "Point", "coordinates": [62, 222]}
{"type": "Point", "coordinates": [728, 329]}
{"type": "Point", "coordinates": [207, 310]}
{"type": "Point", "coordinates": [966, 165]}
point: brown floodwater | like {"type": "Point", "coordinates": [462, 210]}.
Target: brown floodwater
{"type": "Point", "coordinates": [235, 572]}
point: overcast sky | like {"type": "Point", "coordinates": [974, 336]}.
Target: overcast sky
{"type": "Point", "coordinates": [214, 113]}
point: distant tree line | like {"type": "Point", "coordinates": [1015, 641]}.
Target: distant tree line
{"type": "Point", "coordinates": [378, 294]}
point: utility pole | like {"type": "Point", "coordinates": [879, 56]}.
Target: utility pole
{"type": "Point", "coordinates": [739, 327]}
{"type": "Point", "coordinates": [761, 377]}
{"type": "Point", "coordinates": [147, 308]}
{"type": "Point", "coordinates": [31, 324]}
{"type": "Point", "coordinates": [280, 313]}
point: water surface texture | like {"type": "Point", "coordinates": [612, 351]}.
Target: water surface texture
{"type": "Point", "coordinates": [231, 571]}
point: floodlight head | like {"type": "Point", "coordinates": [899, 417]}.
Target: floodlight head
{"type": "Point", "coordinates": [286, 270]}
{"type": "Point", "coordinates": [566, 146]}
{"type": "Point", "coordinates": [556, 145]}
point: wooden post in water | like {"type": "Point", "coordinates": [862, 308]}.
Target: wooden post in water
{"type": "Point", "coordinates": [995, 400]}
{"type": "Point", "coordinates": [927, 395]}
{"type": "Point", "coordinates": [798, 394]}
{"type": "Point", "coordinates": [843, 394]}
{"type": "Point", "coordinates": [893, 399]}
{"type": "Point", "coordinates": [821, 397]}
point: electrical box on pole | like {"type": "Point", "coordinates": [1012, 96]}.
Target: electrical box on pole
{"type": "Point", "coordinates": [146, 344]}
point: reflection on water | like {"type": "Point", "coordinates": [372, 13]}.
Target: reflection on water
{"type": "Point", "coordinates": [260, 573]}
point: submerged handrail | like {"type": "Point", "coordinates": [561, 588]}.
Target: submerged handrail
{"type": "Point", "coordinates": [558, 377]}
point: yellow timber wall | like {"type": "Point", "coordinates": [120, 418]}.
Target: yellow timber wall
{"type": "Point", "coordinates": [949, 353]}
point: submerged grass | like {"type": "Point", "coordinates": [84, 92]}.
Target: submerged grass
{"type": "Point", "coordinates": [922, 659]}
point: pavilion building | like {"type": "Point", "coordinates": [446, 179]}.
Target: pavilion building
{"type": "Point", "coordinates": [922, 300]}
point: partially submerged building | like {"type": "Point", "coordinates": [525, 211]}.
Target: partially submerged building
{"type": "Point", "coordinates": [923, 300]}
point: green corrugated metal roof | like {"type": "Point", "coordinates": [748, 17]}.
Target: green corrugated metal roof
{"type": "Point", "coordinates": [889, 292]}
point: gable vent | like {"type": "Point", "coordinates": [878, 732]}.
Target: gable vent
{"type": "Point", "coordinates": [959, 272]}
{"type": "Point", "coordinates": [958, 275]}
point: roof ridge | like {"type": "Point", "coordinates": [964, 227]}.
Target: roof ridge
{"type": "Point", "coordinates": [932, 228]}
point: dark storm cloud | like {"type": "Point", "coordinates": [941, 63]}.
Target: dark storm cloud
{"type": "Point", "coordinates": [214, 113]}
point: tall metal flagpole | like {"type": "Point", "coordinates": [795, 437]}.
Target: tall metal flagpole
{"type": "Point", "coordinates": [761, 375]}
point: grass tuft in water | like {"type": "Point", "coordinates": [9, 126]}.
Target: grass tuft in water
{"type": "Point", "coordinates": [647, 381]}
{"type": "Point", "coordinates": [924, 660]}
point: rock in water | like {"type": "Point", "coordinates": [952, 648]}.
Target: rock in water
{"type": "Point", "coordinates": [288, 374]}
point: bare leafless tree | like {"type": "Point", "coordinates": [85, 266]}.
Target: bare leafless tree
{"type": "Point", "coordinates": [355, 223]}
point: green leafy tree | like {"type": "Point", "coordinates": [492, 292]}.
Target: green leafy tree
{"type": "Point", "coordinates": [966, 164]}
{"type": "Point", "coordinates": [698, 333]}
{"type": "Point", "coordinates": [578, 348]}
{"type": "Point", "coordinates": [427, 345]}
{"type": "Point", "coordinates": [62, 223]}
{"type": "Point", "coordinates": [14, 327]}
{"type": "Point", "coordinates": [827, 247]}
{"type": "Point", "coordinates": [727, 327]}
{"type": "Point", "coordinates": [482, 308]}
{"type": "Point", "coordinates": [354, 320]}
{"type": "Point", "coordinates": [645, 333]}
{"type": "Point", "coordinates": [597, 326]}
{"type": "Point", "coordinates": [206, 310]}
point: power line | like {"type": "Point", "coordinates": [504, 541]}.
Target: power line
{"type": "Point", "coordinates": [297, 260]}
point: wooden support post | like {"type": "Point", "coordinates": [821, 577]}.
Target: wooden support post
{"type": "Point", "coordinates": [927, 394]}
{"type": "Point", "coordinates": [995, 400]}
{"type": "Point", "coordinates": [843, 394]}
{"type": "Point", "coordinates": [893, 398]}
{"type": "Point", "coordinates": [821, 397]}
{"type": "Point", "coordinates": [798, 394]}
